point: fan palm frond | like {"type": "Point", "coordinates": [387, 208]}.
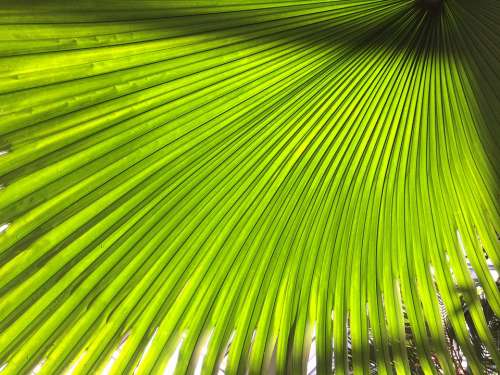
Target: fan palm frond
{"type": "Point", "coordinates": [199, 186]}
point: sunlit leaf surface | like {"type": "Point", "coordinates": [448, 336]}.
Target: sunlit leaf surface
{"type": "Point", "coordinates": [220, 186]}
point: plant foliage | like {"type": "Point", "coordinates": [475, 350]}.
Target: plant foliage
{"type": "Point", "coordinates": [227, 182]}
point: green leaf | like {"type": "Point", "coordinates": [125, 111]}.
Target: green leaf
{"type": "Point", "coordinates": [249, 187]}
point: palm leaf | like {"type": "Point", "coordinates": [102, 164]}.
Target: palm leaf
{"type": "Point", "coordinates": [242, 186]}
